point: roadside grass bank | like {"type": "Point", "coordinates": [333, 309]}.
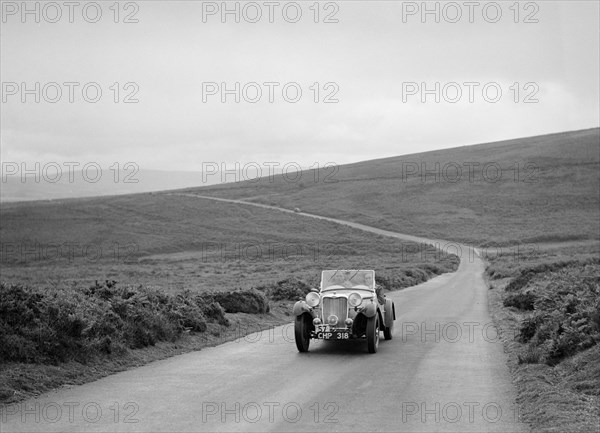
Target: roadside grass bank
{"type": "Point", "coordinates": [20, 381]}
{"type": "Point", "coordinates": [70, 336]}
{"type": "Point", "coordinates": [546, 307]}
{"type": "Point", "coordinates": [51, 339]}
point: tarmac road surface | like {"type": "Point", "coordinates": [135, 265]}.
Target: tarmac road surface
{"type": "Point", "coordinates": [444, 371]}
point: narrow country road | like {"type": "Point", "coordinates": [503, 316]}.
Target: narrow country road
{"type": "Point", "coordinates": [445, 370]}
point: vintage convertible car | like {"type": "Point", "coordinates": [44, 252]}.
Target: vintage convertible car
{"type": "Point", "coordinates": [348, 305]}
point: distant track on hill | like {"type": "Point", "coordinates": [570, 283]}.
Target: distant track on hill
{"type": "Point", "coordinates": [443, 244]}
{"type": "Point", "coordinates": [443, 371]}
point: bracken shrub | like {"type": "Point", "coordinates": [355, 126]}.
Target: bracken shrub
{"type": "Point", "coordinates": [520, 300]}
{"type": "Point", "coordinates": [527, 274]}
{"type": "Point", "coordinates": [531, 355]}
{"type": "Point", "coordinates": [50, 326]}
{"type": "Point", "coordinates": [241, 301]}
{"type": "Point", "coordinates": [498, 271]}
{"type": "Point", "coordinates": [290, 289]}
{"type": "Point", "coordinates": [394, 282]}
{"type": "Point", "coordinates": [529, 326]}
{"type": "Point", "coordinates": [565, 317]}
{"type": "Point", "coordinates": [213, 311]}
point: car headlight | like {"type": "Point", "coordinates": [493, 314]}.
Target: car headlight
{"type": "Point", "coordinates": [313, 299]}
{"type": "Point", "coordinates": [354, 300]}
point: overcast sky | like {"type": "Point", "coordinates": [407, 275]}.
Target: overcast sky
{"type": "Point", "coordinates": [373, 55]}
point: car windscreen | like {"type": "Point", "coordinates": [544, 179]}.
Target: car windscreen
{"type": "Point", "coordinates": [363, 279]}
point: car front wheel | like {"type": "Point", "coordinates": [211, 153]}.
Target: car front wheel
{"type": "Point", "coordinates": [302, 333]}
{"type": "Point", "coordinates": [373, 334]}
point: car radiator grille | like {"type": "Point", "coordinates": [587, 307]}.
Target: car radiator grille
{"type": "Point", "coordinates": [337, 306]}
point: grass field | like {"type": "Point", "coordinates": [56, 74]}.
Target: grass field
{"type": "Point", "coordinates": [174, 242]}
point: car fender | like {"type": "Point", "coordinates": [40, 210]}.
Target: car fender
{"type": "Point", "coordinates": [390, 312]}
{"type": "Point", "coordinates": [370, 310]}
{"type": "Point", "coordinates": [301, 307]}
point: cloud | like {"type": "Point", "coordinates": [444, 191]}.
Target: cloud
{"type": "Point", "coordinates": [366, 57]}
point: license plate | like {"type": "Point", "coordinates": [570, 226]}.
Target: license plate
{"type": "Point", "coordinates": [322, 328]}
{"type": "Point", "coordinates": [334, 335]}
